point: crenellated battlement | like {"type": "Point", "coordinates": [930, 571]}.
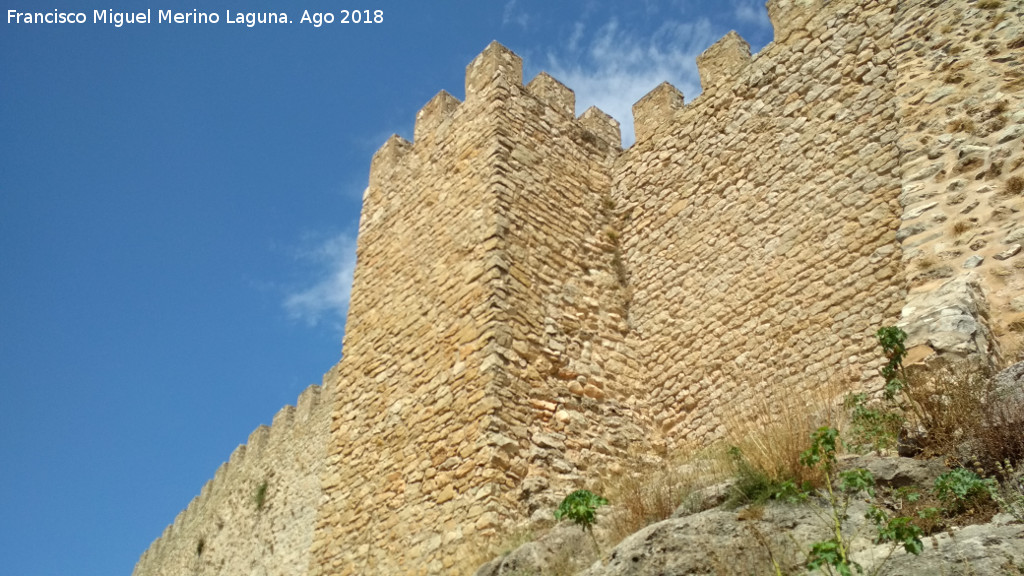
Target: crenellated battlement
{"type": "Point", "coordinates": [602, 125]}
{"type": "Point", "coordinates": [554, 94]}
{"type": "Point", "coordinates": [788, 16]}
{"type": "Point", "coordinates": [434, 118]}
{"type": "Point", "coordinates": [494, 71]}
{"type": "Point", "coordinates": [387, 157]}
{"type": "Point", "coordinates": [723, 60]}
{"type": "Point", "coordinates": [657, 108]}
{"type": "Point", "coordinates": [495, 74]}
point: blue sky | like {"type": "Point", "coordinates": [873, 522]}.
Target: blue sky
{"type": "Point", "coordinates": [178, 208]}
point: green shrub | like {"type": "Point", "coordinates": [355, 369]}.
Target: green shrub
{"type": "Point", "coordinates": [581, 507]}
{"type": "Point", "coordinates": [960, 488]}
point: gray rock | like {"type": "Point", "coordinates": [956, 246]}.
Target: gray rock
{"type": "Point", "coordinates": [1011, 133]}
{"type": "Point", "coordinates": [973, 261]}
{"type": "Point", "coordinates": [565, 548]}
{"type": "Point", "coordinates": [972, 149]}
{"type": "Point", "coordinates": [915, 212]}
{"type": "Point", "coordinates": [952, 320]}
{"type": "Point", "coordinates": [939, 94]}
{"type": "Point", "coordinates": [908, 231]}
{"type": "Point", "coordinates": [898, 472]}
{"type": "Point", "coordinates": [982, 549]}
{"type": "Point", "coordinates": [1008, 253]}
{"type": "Point", "coordinates": [927, 172]}
{"type": "Point", "coordinates": [1009, 384]}
{"type": "Point", "coordinates": [1014, 236]}
{"type": "Point", "coordinates": [1017, 304]}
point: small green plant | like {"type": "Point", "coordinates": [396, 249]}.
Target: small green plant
{"type": "Point", "coordinates": [581, 507]}
{"type": "Point", "coordinates": [900, 531]}
{"type": "Point", "coordinates": [893, 340]}
{"type": "Point", "coordinates": [753, 486]}
{"type": "Point", "coordinates": [261, 495]}
{"type": "Point", "coordinates": [960, 488]}
{"type": "Point", "coordinates": [872, 426]}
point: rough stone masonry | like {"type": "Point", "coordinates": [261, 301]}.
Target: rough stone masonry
{"type": "Point", "coordinates": [534, 306]}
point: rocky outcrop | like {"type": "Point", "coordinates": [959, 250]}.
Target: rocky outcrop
{"type": "Point", "coordinates": [950, 321]}
{"type": "Point", "coordinates": [722, 541]}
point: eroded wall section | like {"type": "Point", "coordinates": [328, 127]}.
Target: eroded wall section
{"type": "Point", "coordinates": [759, 221]}
{"type": "Point", "coordinates": [256, 515]}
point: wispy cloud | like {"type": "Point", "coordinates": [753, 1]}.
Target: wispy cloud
{"type": "Point", "coordinates": [751, 12]}
{"type": "Point", "coordinates": [615, 68]}
{"type": "Point", "coordinates": [511, 15]}
{"type": "Point", "coordinates": [325, 299]}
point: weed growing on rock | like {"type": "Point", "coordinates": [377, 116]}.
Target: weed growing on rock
{"type": "Point", "coordinates": [961, 125]}
{"type": "Point", "coordinates": [261, 495]}
{"type": "Point", "coordinates": [960, 227]}
{"type": "Point", "coordinates": [873, 426]}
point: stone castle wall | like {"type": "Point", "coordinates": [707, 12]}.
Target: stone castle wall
{"type": "Point", "coordinates": [534, 307]}
{"type": "Point", "coordinates": [225, 531]}
{"type": "Point", "coordinates": [760, 220]}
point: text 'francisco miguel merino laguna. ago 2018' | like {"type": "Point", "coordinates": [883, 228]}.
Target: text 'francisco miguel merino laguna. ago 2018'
{"type": "Point", "coordinates": [119, 19]}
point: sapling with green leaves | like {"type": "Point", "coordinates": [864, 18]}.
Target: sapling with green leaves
{"type": "Point", "coordinates": [832, 556]}
{"type": "Point", "coordinates": [581, 507]}
{"type": "Point", "coordinates": [894, 345]}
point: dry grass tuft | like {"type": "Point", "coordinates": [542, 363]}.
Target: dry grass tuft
{"type": "Point", "coordinates": [650, 493]}
{"type": "Point", "coordinates": [1014, 185]}
{"type": "Point", "coordinates": [965, 417]}
{"type": "Point", "coordinates": [960, 227]}
{"type": "Point", "coordinates": [990, 4]}
{"type": "Point", "coordinates": [997, 109]}
{"type": "Point", "coordinates": [961, 125]}
{"type": "Point", "coordinates": [927, 263]}
{"type": "Point", "coordinates": [768, 443]}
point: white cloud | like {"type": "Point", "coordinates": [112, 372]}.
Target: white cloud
{"type": "Point", "coordinates": [751, 12]}
{"type": "Point", "coordinates": [328, 296]}
{"type": "Point", "coordinates": [511, 16]}
{"type": "Point", "coordinates": [615, 68]}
